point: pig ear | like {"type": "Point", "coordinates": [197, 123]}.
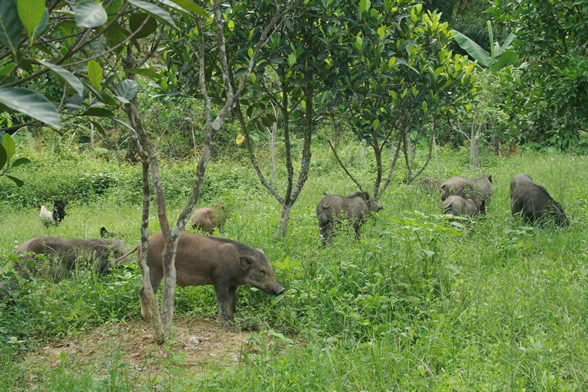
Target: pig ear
{"type": "Point", "coordinates": [259, 249]}
{"type": "Point", "coordinates": [246, 262]}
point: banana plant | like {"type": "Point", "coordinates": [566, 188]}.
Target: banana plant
{"type": "Point", "coordinates": [500, 56]}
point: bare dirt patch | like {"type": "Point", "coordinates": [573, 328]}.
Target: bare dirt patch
{"type": "Point", "coordinates": [196, 346]}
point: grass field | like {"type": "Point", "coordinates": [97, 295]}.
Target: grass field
{"type": "Point", "coordinates": [415, 305]}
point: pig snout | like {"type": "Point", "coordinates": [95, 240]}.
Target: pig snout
{"type": "Point", "coordinates": [276, 289]}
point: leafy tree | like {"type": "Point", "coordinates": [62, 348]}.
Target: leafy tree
{"type": "Point", "coordinates": [209, 48]}
{"type": "Point", "coordinates": [552, 39]}
{"type": "Point", "coordinates": [66, 40]}
{"type": "Point", "coordinates": [291, 72]}
{"type": "Point", "coordinates": [402, 79]}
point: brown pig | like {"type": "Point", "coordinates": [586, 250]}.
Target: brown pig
{"type": "Point", "coordinates": [478, 189]}
{"type": "Point", "coordinates": [65, 253]}
{"type": "Point", "coordinates": [203, 260]}
{"type": "Point", "coordinates": [206, 219]}
{"type": "Point", "coordinates": [332, 209]}
{"type": "Point", "coordinates": [534, 203]}
{"type": "Point", "coordinates": [457, 206]}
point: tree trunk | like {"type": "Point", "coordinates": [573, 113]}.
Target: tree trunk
{"type": "Point", "coordinates": [436, 159]}
{"type": "Point", "coordinates": [378, 155]}
{"type": "Point", "coordinates": [284, 219]}
{"type": "Point", "coordinates": [362, 151]}
{"type": "Point", "coordinates": [272, 141]}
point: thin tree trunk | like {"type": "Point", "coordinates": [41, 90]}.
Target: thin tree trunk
{"type": "Point", "coordinates": [284, 219]}
{"type": "Point", "coordinates": [273, 135]}
{"type": "Point", "coordinates": [344, 168]}
{"type": "Point", "coordinates": [436, 159]}
{"type": "Point", "coordinates": [378, 155]}
{"type": "Point", "coordinates": [142, 258]}
{"type": "Point", "coordinates": [392, 167]}
{"type": "Point", "coordinates": [362, 152]}
{"type": "Point", "coordinates": [91, 125]}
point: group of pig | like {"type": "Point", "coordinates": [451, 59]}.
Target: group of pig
{"type": "Point", "coordinates": [227, 264]}
{"type": "Point", "coordinates": [460, 196]}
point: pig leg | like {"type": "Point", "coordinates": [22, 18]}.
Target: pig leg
{"type": "Point", "coordinates": [232, 300]}
{"type": "Point", "coordinates": [326, 234]}
{"type": "Point", "coordinates": [223, 299]}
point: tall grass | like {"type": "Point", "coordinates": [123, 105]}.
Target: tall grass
{"type": "Point", "coordinates": [416, 304]}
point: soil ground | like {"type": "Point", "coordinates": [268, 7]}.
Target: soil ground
{"type": "Point", "coordinates": [196, 346]}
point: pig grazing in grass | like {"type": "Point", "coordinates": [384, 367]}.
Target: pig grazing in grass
{"type": "Point", "coordinates": [477, 189]}
{"type": "Point", "coordinates": [333, 209]}
{"type": "Point", "coordinates": [60, 255]}
{"type": "Point", "coordinates": [534, 203]}
{"type": "Point", "coordinates": [203, 260]}
{"type": "Point", "coordinates": [207, 219]}
{"type": "Point", "coordinates": [458, 206]}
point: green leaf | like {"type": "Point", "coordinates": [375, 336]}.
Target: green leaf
{"type": "Point", "coordinates": [506, 44]}
{"type": "Point", "coordinates": [124, 124]}
{"type": "Point", "coordinates": [30, 13]}
{"type": "Point", "coordinates": [155, 11]}
{"type": "Point", "coordinates": [376, 124]}
{"type": "Point", "coordinates": [95, 74]}
{"type": "Point", "coordinates": [99, 128]}
{"type": "Point", "coordinates": [114, 7]}
{"type": "Point", "coordinates": [137, 19]}
{"type": "Point", "coordinates": [3, 156]}
{"type": "Point", "coordinates": [425, 107]}
{"type": "Point", "coordinates": [504, 60]}
{"type": "Point", "coordinates": [144, 72]}
{"type": "Point", "coordinates": [382, 31]}
{"type": "Point", "coordinates": [16, 180]}
{"type": "Point", "coordinates": [415, 92]}
{"type": "Point", "coordinates": [392, 61]}
{"type": "Point", "coordinates": [40, 26]}
{"type": "Point", "coordinates": [127, 89]}
{"type": "Point", "coordinates": [9, 145]}
{"type": "Point", "coordinates": [189, 6]}
{"type": "Point", "coordinates": [358, 43]}
{"type": "Point", "coordinates": [70, 78]}
{"type": "Point", "coordinates": [20, 161]}
{"type": "Point", "coordinates": [30, 103]}
{"type": "Point", "coordinates": [7, 69]}
{"type": "Point", "coordinates": [10, 25]}
{"type": "Point", "coordinates": [99, 44]}
{"type": "Point", "coordinates": [364, 5]}
{"type": "Point", "coordinates": [473, 49]}
{"type": "Point", "coordinates": [90, 14]}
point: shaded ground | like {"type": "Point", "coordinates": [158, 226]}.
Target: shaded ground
{"type": "Point", "coordinates": [197, 345]}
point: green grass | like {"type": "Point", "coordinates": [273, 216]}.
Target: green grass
{"type": "Point", "coordinates": [414, 305]}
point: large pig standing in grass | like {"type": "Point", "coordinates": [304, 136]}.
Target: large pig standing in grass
{"type": "Point", "coordinates": [203, 260]}
{"type": "Point", "coordinates": [477, 189]}
{"type": "Point", "coordinates": [333, 209]}
{"type": "Point", "coordinates": [61, 255]}
{"type": "Point", "coordinates": [534, 203]}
